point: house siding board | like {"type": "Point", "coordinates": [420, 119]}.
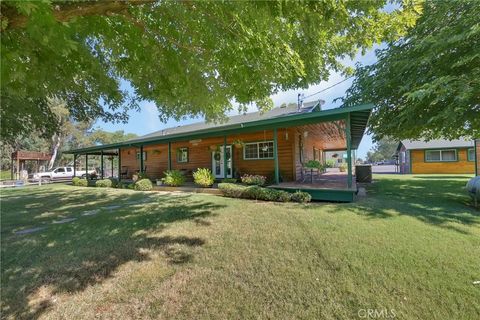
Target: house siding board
{"type": "Point", "coordinates": [200, 156]}
{"type": "Point", "coordinates": [461, 166]}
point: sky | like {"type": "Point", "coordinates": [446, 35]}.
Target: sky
{"type": "Point", "coordinates": [147, 120]}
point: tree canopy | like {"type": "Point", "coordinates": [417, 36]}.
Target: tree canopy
{"type": "Point", "coordinates": [384, 149]}
{"type": "Point", "coordinates": [189, 58]}
{"type": "Point", "coordinates": [427, 84]}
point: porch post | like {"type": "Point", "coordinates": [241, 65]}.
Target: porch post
{"type": "Point", "coordinates": [119, 164]}
{"type": "Point", "coordinates": [112, 165]}
{"type": "Point", "coordinates": [275, 156]}
{"type": "Point", "coordinates": [225, 162]}
{"type": "Point", "coordinates": [74, 165]}
{"type": "Point", "coordinates": [101, 164]}
{"type": "Point", "coordinates": [349, 151]}
{"type": "Point", "coordinates": [169, 152]}
{"type": "Point", "coordinates": [86, 165]}
{"type": "Point", "coordinates": [141, 159]}
{"type": "Point", "coordinates": [11, 167]}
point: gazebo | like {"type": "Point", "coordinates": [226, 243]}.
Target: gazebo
{"type": "Point", "coordinates": [20, 157]}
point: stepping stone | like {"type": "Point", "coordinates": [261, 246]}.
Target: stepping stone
{"type": "Point", "coordinates": [32, 230]}
{"type": "Point", "coordinates": [66, 220]}
{"type": "Point", "coordinates": [112, 207]}
{"type": "Point", "coordinates": [90, 212]}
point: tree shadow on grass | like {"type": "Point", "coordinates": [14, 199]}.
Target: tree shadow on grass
{"type": "Point", "coordinates": [442, 203]}
{"type": "Point", "coordinates": [70, 257]}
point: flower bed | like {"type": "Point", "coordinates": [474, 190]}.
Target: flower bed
{"type": "Point", "coordinates": [260, 193]}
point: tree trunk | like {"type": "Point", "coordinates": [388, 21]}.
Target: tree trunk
{"type": "Point", "coordinates": [56, 145]}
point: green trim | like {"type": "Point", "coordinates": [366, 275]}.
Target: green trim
{"type": "Point", "coordinates": [178, 150]}
{"type": "Point", "coordinates": [257, 142]}
{"type": "Point", "coordinates": [441, 149]}
{"type": "Point", "coordinates": [169, 154]}
{"type": "Point", "coordinates": [101, 164]}
{"type": "Point", "coordinates": [275, 156]}
{"type": "Point", "coordinates": [349, 151]}
{"type": "Point", "coordinates": [86, 166]}
{"type": "Point", "coordinates": [74, 165]}
{"type": "Point", "coordinates": [468, 155]}
{"type": "Point", "coordinates": [225, 161]}
{"type": "Point", "coordinates": [141, 159]}
{"type": "Point", "coordinates": [477, 164]}
{"type": "Point", "coordinates": [359, 119]}
{"type": "Point", "coordinates": [324, 194]}
{"type": "Point", "coordinates": [119, 164]}
{"type": "Point", "coordinates": [410, 162]}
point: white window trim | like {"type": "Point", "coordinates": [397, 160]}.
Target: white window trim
{"type": "Point", "coordinates": [258, 150]}
{"type": "Point", "coordinates": [181, 150]}
{"type": "Point", "coordinates": [441, 155]}
{"type": "Point", "coordinates": [468, 153]}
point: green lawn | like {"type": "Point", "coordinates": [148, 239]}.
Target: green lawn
{"type": "Point", "coordinates": [413, 245]}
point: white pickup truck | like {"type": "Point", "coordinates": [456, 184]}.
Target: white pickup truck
{"type": "Point", "coordinates": [62, 173]}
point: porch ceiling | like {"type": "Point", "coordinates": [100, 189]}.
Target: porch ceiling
{"type": "Point", "coordinates": [330, 135]}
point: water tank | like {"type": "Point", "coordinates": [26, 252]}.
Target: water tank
{"type": "Point", "coordinates": [363, 173]}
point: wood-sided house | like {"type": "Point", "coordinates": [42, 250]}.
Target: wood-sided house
{"type": "Point", "coordinates": [276, 144]}
{"type": "Point", "coordinates": [438, 156]}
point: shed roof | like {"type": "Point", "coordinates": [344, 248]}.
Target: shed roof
{"type": "Point", "coordinates": [436, 144]}
{"type": "Point", "coordinates": [250, 122]}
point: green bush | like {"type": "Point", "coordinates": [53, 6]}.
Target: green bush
{"type": "Point", "coordinates": [203, 177]}
{"type": "Point", "coordinates": [114, 182]}
{"type": "Point", "coordinates": [229, 180]}
{"type": "Point", "coordinates": [143, 185]}
{"type": "Point", "coordinates": [313, 164]}
{"type": "Point", "coordinates": [253, 192]}
{"type": "Point", "coordinates": [173, 178]}
{"type": "Point", "coordinates": [105, 183]}
{"type": "Point", "coordinates": [232, 190]}
{"type": "Point", "coordinates": [82, 183]}
{"type": "Point", "coordinates": [301, 197]}
{"type": "Point", "coordinates": [75, 181]}
{"type": "Point", "coordinates": [254, 179]}
{"type": "Point", "coordinates": [330, 163]}
{"type": "Point", "coordinates": [343, 167]}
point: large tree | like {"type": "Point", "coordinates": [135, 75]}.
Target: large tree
{"type": "Point", "coordinates": [188, 57]}
{"type": "Point", "coordinates": [427, 84]}
{"type": "Point", "coordinates": [384, 149]}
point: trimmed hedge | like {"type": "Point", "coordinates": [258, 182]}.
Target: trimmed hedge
{"type": "Point", "coordinates": [229, 180]}
{"type": "Point", "coordinates": [301, 197]}
{"type": "Point", "coordinates": [143, 185]}
{"type": "Point", "coordinates": [105, 183]}
{"type": "Point", "coordinates": [114, 182]}
{"type": "Point", "coordinates": [254, 179]}
{"type": "Point", "coordinates": [76, 181]}
{"type": "Point", "coordinates": [259, 193]}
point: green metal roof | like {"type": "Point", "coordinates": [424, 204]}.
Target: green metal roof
{"type": "Point", "coordinates": [358, 116]}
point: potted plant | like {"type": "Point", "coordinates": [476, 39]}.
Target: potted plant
{"type": "Point", "coordinates": [159, 182]}
{"type": "Point", "coordinates": [238, 144]}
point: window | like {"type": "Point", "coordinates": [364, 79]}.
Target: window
{"type": "Point", "coordinates": [60, 170]}
{"type": "Point", "coordinates": [440, 155]}
{"type": "Point", "coordinates": [69, 169]}
{"type": "Point", "coordinates": [258, 150]}
{"type": "Point", "coordinates": [471, 154]}
{"type": "Point", "coordinates": [182, 155]}
{"type": "Point", "coordinates": [144, 155]}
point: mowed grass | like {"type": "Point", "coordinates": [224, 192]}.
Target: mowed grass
{"type": "Point", "coordinates": [412, 246]}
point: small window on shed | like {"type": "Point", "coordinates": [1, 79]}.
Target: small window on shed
{"type": "Point", "coordinates": [471, 154]}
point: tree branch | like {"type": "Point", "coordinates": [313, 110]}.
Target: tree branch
{"type": "Point", "coordinates": [64, 12]}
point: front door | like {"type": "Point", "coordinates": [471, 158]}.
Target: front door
{"type": "Point", "coordinates": [218, 161]}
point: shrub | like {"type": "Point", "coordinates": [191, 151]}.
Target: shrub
{"type": "Point", "coordinates": [173, 178]}
{"type": "Point", "coordinates": [254, 179]}
{"type": "Point", "coordinates": [232, 190]}
{"type": "Point", "coordinates": [229, 180]}
{"type": "Point", "coordinates": [313, 164]}
{"type": "Point", "coordinates": [301, 197]}
{"type": "Point", "coordinates": [114, 182]}
{"type": "Point", "coordinates": [104, 183]}
{"type": "Point", "coordinates": [143, 185]}
{"type": "Point", "coordinates": [330, 163]}
{"type": "Point", "coordinates": [343, 167]}
{"type": "Point", "coordinates": [82, 183]}
{"type": "Point", "coordinates": [203, 177]}
{"type": "Point", "coordinates": [75, 181]}
{"type": "Point", "coordinates": [253, 192]}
